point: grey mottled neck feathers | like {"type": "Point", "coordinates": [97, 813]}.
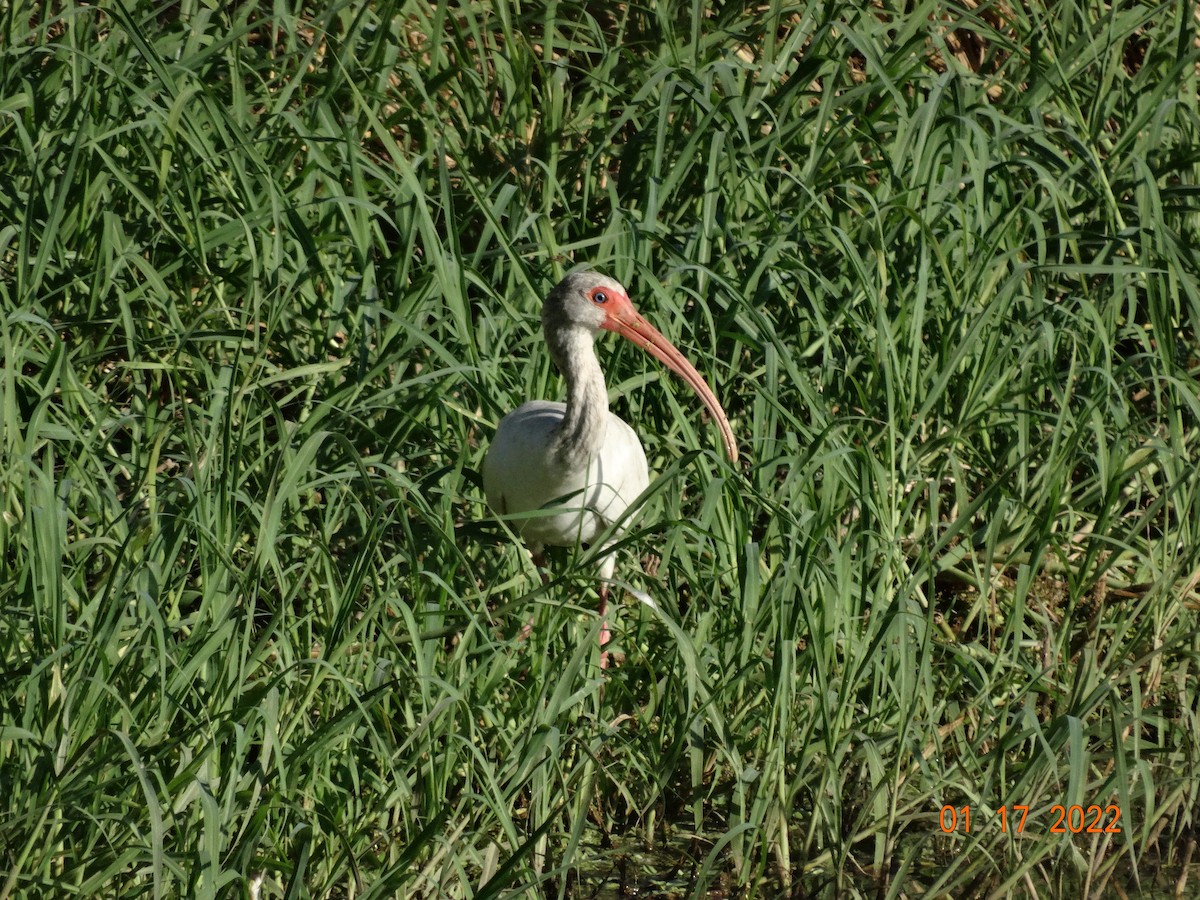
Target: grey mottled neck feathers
{"type": "Point", "coordinates": [581, 435]}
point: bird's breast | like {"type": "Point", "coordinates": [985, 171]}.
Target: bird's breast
{"type": "Point", "coordinates": [552, 501]}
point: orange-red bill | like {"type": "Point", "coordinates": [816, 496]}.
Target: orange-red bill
{"type": "Point", "coordinates": [629, 323]}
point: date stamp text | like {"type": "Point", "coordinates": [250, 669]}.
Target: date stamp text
{"type": "Point", "coordinates": [1074, 819]}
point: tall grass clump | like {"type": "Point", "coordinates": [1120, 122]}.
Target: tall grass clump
{"type": "Point", "coordinates": [270, 275]}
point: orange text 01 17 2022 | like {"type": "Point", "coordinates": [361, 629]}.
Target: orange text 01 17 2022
{"type": "Point", "coordinates": [1073, 819]}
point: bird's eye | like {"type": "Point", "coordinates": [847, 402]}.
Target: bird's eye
{"type": "Point", "coordinates": [599, 297]}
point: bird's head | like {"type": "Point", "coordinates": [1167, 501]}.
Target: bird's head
{"type": "Point", "coordinates": [585, 299]}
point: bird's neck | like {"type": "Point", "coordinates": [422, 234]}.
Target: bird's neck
{"type": "Point", "coordinates": [580, 436]}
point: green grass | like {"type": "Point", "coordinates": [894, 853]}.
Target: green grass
{"type": "Point", "coordinates": [269, 276]}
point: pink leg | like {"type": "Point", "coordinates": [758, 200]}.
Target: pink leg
{"type": "Point", "coordinates": [604, 635]}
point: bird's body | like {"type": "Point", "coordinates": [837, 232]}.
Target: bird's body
{"type": "Point", "coordinates": [591, 499]}
{"type": "Point", "coordinates": [563, 474]}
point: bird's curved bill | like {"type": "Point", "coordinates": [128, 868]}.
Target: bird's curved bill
{"type": "Point", "coordinates": [632, 325]}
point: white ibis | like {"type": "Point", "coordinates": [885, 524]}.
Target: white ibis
{"type": "Point", "coordinates": [576, 461]}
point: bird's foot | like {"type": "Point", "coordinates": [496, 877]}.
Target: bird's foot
{"type": "Point", "coordinates": [612, 658]}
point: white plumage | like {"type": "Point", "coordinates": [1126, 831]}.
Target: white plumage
{"type": "Point", "coordinates": [590, 499]}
